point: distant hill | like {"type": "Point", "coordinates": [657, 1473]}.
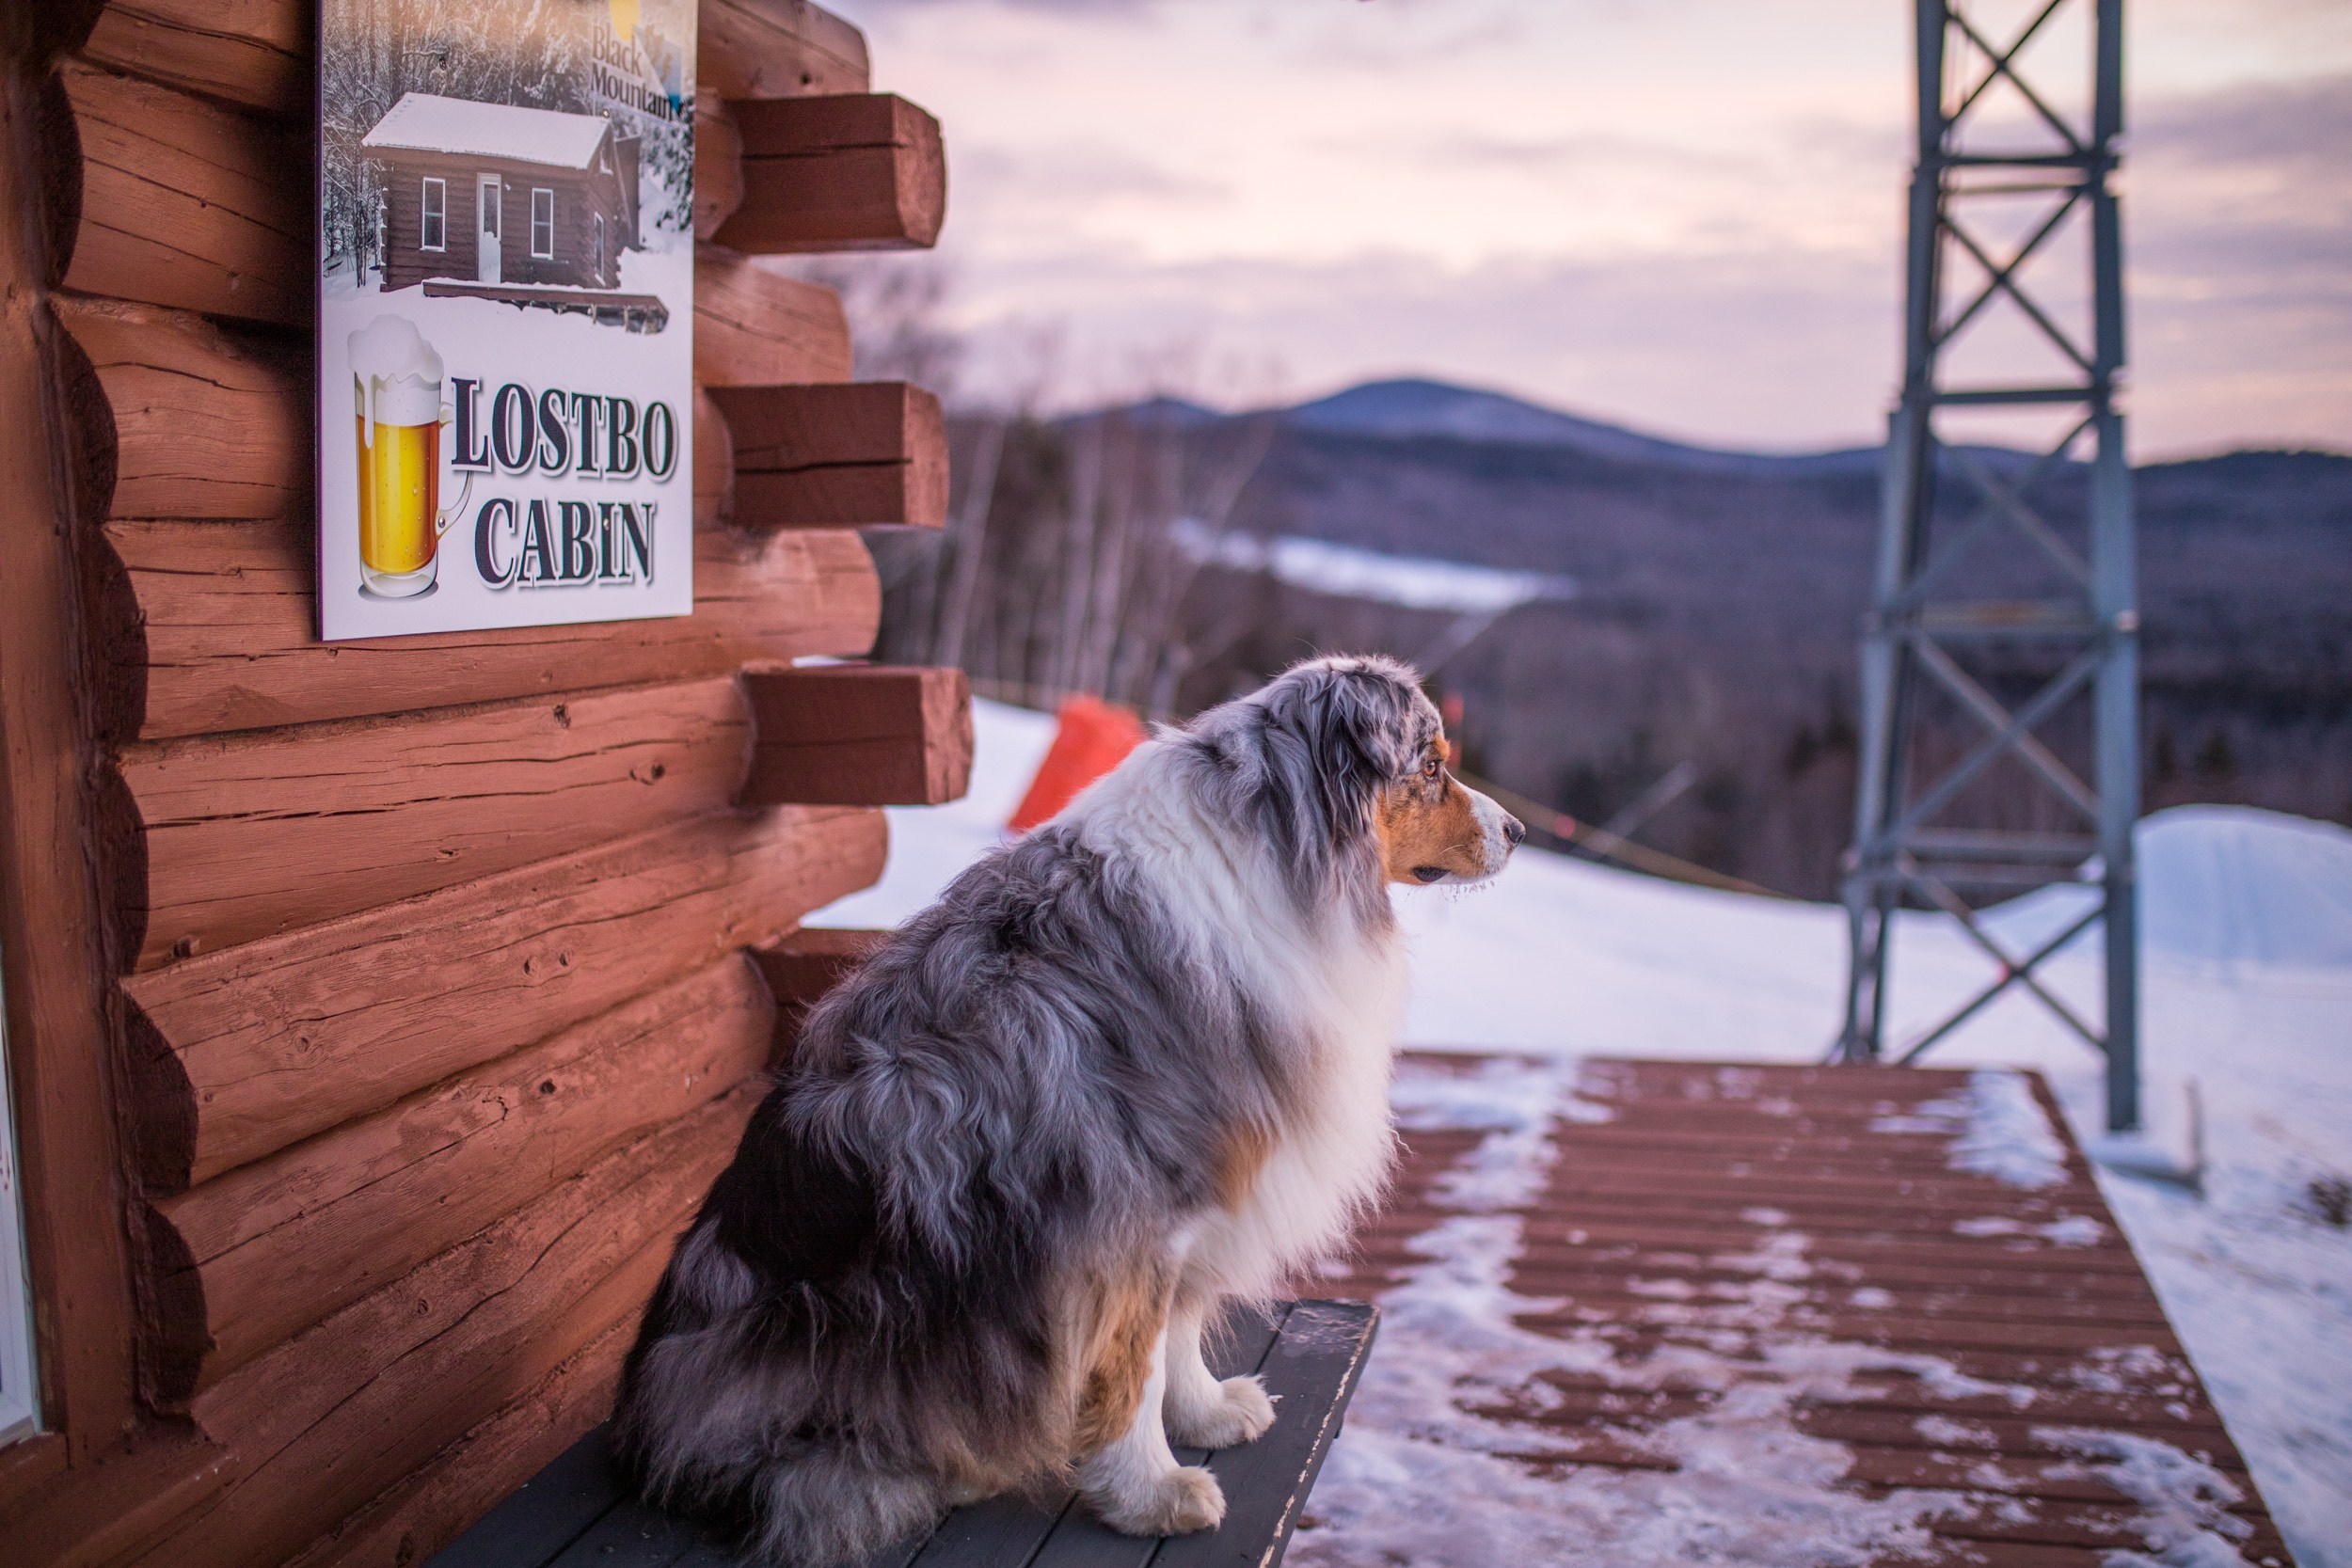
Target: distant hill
{"type": "Point", "coordinates": [1407, 408]}
{"type": "Point", "coordinates": [1721, 597]}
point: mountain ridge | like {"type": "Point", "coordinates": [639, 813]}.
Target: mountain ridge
{"type": "Point", "coordinates": [1426, 408]}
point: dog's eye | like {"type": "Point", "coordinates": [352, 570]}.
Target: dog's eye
{"type": "Point", "coordinates": [1431, 769]}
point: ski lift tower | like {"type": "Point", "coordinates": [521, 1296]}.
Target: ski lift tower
{"type": "Point", "coordinates": [1946, 508]}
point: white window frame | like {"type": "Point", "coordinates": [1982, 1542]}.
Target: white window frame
{"type": "Point", "coordinates": [433, 215]}
{"type": "Point", "coordinates": [20, 1387]}
{"type": "Point", "coordinates": [538, 224]}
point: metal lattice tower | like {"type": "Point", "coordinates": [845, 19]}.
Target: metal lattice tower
{"type": "Point", "coordinates": [1944, 507]}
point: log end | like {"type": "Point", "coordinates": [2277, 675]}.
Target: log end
{"type": "Point", "coordinates": [858, 736]}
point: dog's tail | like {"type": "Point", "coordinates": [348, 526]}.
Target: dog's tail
{"type": "Point", "coordinates": [825, 1506]}
{"type": "Point", "coordinates": [722, 1417]}
{"type": "Point", "coordinates": [802, 1496]}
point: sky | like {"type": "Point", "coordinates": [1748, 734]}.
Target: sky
{"type": "Point", "coordinates": [1685, 216]}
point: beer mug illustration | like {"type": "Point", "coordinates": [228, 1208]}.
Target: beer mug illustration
{"type": "Point", "coordinates": [398, 415]}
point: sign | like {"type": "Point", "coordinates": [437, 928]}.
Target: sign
{"type": "Point", "coordinates": [506, 313]}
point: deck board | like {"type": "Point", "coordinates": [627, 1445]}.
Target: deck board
{"type": "Point", "coordinates": [1743, 1210]}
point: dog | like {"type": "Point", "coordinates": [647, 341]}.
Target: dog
{"type": "Point", "coordinates": [1129, 1068]}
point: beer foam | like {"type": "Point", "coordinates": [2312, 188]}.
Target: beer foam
{"type": "Point", "coordinates": [391, 356]}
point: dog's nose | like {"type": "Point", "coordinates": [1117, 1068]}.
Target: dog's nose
{"type": "Point", "coordinates": [1514, 830]}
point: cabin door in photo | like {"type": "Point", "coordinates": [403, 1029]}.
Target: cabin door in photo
{"type": "Point", "coordinates": [486, 207]}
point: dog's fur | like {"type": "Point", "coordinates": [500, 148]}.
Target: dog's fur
{"type": "Point", "coordinates": [1130, 1067]}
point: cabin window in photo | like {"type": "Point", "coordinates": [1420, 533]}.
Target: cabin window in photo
{"type": "Point", "coordinates": [541, 222]}
{"type": "Point", "coordinates": [599, 248]}
{"type": "Point", "coordinates": [20, 1403]}
{"type": "Point", "coordinates": [433, 229]}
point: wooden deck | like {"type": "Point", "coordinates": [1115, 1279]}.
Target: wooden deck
{"type": "Point", "coordinates": [1735, 1268]}
{"type": "Point", "coordinates": [2004, 1351]}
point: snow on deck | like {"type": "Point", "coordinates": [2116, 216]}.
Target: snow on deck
{"type": "Point", "coordinates": [1649, 1313]}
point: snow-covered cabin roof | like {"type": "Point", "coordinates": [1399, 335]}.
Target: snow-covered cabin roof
{"type": "Point", "coordinates": [427, 122]}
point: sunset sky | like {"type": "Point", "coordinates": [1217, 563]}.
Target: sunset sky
{"type": "Point", "coordinates": [1683, 214]}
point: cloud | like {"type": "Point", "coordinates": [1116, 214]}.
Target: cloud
{"type": "Point", "coordinates": [1692, 221]}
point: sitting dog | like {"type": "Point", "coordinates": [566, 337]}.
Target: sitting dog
{"type": "Point", "coordinates": [1128, 1068]}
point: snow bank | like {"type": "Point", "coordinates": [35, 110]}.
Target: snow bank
{"type": "Point", "coordinates": [2223, 887]}
{"type": "Point", "coordinates": [2247, 992]}
{"type": "Point", "coordinates": [1351, 572]}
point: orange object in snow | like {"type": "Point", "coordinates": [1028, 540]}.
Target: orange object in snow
{"type": "Point", "coordinates": [1094, 739]}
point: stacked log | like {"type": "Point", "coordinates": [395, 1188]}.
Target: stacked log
{"type": "Point", "coordinates": [439, 973]}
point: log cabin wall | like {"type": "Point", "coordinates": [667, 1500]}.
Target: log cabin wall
{"type": "Point", "coordinates": [378, 1011]}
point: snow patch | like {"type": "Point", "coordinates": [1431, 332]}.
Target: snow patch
{"type": "Point", "coordinates": [2185, 1501]}
{"type": "Point", "coordinates": [1350, 572]}
{"type": "Point", "coordinates": [2071, 1230]}
{"type": "Point", "coordinates": [1998, 1127]}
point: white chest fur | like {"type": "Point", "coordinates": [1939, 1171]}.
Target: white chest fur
{"type": "Point", "coordinates": [1342, 990]}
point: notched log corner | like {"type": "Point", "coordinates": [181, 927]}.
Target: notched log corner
{"type": "Point", "coordinates": [173, 1339]}
{"type": "Point", "coordinates": [93, 440]}
{"type": "Point", "coordinates": [57, 173]}
{"type": "Point", "coordinates": [163, 1104]}
{"type": "Point", "coordinates": [120, 833]}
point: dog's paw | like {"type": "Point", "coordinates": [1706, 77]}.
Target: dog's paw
{"type": "Point", "coordinates": [1240, 1413]}
{"type": "Point", "coordinates": [1174, 1502]}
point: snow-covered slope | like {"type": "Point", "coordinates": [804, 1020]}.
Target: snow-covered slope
{"type": "Point", "coordinates": [2248, 995]}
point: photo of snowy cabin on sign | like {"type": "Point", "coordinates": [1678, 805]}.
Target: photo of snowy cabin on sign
{"type": "Point", "coordinates": [505, 313]}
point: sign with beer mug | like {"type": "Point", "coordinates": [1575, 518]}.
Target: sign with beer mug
{"type": "Point", "coordinates": [505, 314]}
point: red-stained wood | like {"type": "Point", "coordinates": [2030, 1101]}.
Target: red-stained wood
{"type": "Point", "coordinates": [256, 53]}
{"type": "Point", "coordinates": [801, 968]}
{"type": "Point", "coordinates": [242, 1053]}
{"type": "Point", "coordinates": [51, 920]}
{"type": "Point", "coordinates": [202, 422]}
{"type": "Point", "coordinates": [753, 326]}
{"type": "Point", "coordinates": [189, 203]}
{"type": "Point", "coordinates": [859, 734]}
{"type": "Point", "coordinates": [217, 840]}
{"type": "Point", "coordinates": [325, 1424]}
{"type": "Point", "coordinates": [717, 166]}
{"type": "Point", "coordinates": [259, 53]}
{"type": "Point", "coordinates": [411, 1520]}
{"type": "Point", "coordinates": [278, 1244]}
{"type": "Point", "coordinates": [714, 464]}
{"type": "Point", "coordinates": [777, 48]}
{"type": "Point", "coordinates": [210, 626]}
{"type": "Point", "coordinates": [860, 171]}
{"type": "Point", "coordinates": [867, 454]}
{"type": "Point", "coordinates": [115, 1502]}
{"type": "Point", "coordinates": [184, 236]}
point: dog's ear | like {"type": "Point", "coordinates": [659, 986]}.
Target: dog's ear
{"type": "Point", "coordinates": [1356, 719]}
